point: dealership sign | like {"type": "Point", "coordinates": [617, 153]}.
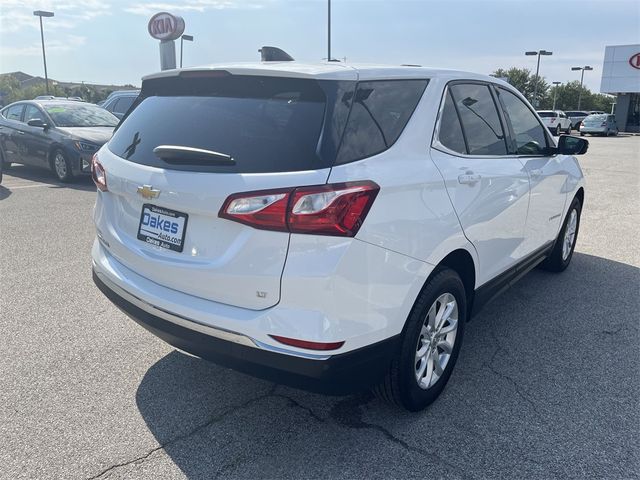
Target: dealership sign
{"type": "Point", "coordinates": [164, 26]}
{"type": "Point", "coordinates": [634, 61]}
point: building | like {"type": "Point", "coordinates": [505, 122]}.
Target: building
{"type": "Point", "coordinates": [621, 77]}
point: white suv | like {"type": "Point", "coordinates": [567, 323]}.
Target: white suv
{"type": "Point", "coordinates": [327, 226]}
{"type": "Point", "coordinates": [556, 121]}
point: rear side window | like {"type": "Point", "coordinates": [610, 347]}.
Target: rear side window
{"type": "Point", "coordinates": [266, 124]}
{"type": "Point", "coordinates": [14, 112]}
{"type": "Point", "coordinates": [123, 104]}
{"type": "Point", "coordinates": [450, 132]}
{"type": "Point", "coordinates": [380, 111]}
{"type": "Point", "coordinates": [480, 120]}
{"type": "Point", "coordinates": [529, 133]}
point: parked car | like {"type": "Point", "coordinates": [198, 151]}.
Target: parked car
{"type": "Point", "coordinates": [576, 117]}
{"type": "Point", "coordinates": [556, 121]}
{"type": "Point", "coordinates": [287, 220]}
{"type": "Point", "coordinates": [60, 135]}
{"type": "Point", "coordinates": [119, 102]}
{"type": "Point", "coordinates": [599, 124]}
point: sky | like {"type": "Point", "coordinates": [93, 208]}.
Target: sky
{"type": "Point", "coordinates": [101, 41]}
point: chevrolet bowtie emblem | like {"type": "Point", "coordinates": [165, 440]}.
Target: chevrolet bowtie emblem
{"type": "Point", "coordinates": [147, 191]}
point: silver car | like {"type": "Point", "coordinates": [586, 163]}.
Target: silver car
{"type": "Point", "coordinates": [600, 124]}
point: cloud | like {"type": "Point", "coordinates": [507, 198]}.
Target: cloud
{"type": "Point", "coordinates": [65, 44]}
{"type": "Point", "coordinates": [149, 8]}
{"type": "Point", "coordinates": [18, 15]}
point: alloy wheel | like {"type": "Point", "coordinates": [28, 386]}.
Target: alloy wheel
{"type": "Point", "coordinates": [569, 234]}
{"type": "Point", "coordinates": [60, 165]}
{"type": "Point", "coordinates": [436, 340]}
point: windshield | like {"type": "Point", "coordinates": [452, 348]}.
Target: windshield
{"type": "Point", "coordinates": [547, 114]}
{"type": "Point", "coordinates": [80, 115]}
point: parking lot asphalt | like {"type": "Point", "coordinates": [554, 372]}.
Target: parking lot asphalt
{"type": "Point", "coordinates": [547, 384]}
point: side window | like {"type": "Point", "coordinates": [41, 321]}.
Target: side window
{"type": "Point", "coordinates": [380, 110]}
{"type": "Point", "coordinates": [450, 132]}
{"type": "Point", "coordinates": [122, 104]}
{"type": "Point", "coordinates": [530, 136]}
{"type": "Point", "coordinates": [32, 113]}
{"type": "Point", "coordinates": [480, 120]}
{"type": "Point", "coordinates": [14, 112]}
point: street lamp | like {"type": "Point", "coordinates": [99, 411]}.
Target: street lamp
{"type": "Point", "coordinates": [328, 30]}
{"type": "Point", "coordinates": [555, 91]}
{"type": "Point", "coordinates": [535, 85]}
{"type": "Point", "coordinates": [42, 13]}
{"type": "Point", "coordinates": [586, 67]}
{"type": "Point", "coordinates": [188, 38]}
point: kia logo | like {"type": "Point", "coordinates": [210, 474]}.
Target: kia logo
{"type": "Point", "coordinates": [164, 26]}
{"type": "Point", "coordinates": [635, 61]}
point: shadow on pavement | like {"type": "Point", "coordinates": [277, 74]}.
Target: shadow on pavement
{"type": "Point", "coordinates": [42, 175]}
{"type": "Point", "coordinates": [4, 192]}
{"type": "Point", "coordinates": [546, 385]}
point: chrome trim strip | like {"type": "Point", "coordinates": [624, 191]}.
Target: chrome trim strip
{"type": "Point", "coordinates": [200, 327]}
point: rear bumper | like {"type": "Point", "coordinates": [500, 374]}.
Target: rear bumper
{"type": "Point", "coordinates": [336, 374]}
{"type": "Point", "coordinates": [584, 129]}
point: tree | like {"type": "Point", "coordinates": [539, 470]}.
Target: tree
{"type": "Point", "coordinates": [525, 82]}
{"type": "Point", "coordinates": [567, 96]}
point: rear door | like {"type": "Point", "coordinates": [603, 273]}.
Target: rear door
{"type": "Point", "coordinates": [489, 187]}
{"type": "Point", "coordinates": [10, 132]}
{"type": "Point", "coordinates": [280, 132]}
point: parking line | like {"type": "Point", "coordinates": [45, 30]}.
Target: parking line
{"type": "Point", "coordinates": [27, 186]}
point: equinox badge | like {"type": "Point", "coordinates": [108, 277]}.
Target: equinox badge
{"type": "Point", "coordinates": [148, 192]}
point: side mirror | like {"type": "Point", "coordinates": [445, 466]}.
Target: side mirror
{"type": "Point", "coordinates": [568, 145]}
{"type": "Point", "coordinates": [36, 122]}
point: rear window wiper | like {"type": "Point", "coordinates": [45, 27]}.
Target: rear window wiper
{"type": "Point", "coordinates": [192, 156]}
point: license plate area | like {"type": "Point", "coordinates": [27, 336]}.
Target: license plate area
{"type": "Point", "coordinates": [162, 227]}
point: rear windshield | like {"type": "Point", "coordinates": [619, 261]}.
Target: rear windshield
{"type": "Point", "coordinates": [547, 114]}
{"type": "Point", "coordinates": [596, 118]}
{"type": "Point", "coordinates": [577, 114]}
{"type": "Point", "coordinates": [263, 123]}
{"type": "Point", "coordinates": [266, 124]}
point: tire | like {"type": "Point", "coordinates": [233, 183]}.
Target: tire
{"type": "Point", "coordinates": [61, 166]}
{"type": "Point", "coordinates": [564, 246]}
{"type": "Point", "coordinates": [557, 131]}
{"type": "Point", "coordinates": [582, 134]}
{"type": "Point", "coordinates": [568, 130]}
{"type": "Point", "coordinates": [444, 292]}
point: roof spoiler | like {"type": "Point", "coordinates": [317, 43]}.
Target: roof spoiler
{"type": "Point", "coordinates": [274, 54]}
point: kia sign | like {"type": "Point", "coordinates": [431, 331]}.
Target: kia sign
{"type": "Point", "coordinates": [164, 26]}
{"type": "Point", "coordinates": [634, 61]}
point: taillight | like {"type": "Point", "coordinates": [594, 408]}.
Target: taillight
{"type": "Point", "coordinates": [98, 174]}
{"type": "Point", "coordinates": [604, 124]}
{"type": "Point", "coordinates": [553, 120]}
{"type": "Point", "coordinates": [338, 209]}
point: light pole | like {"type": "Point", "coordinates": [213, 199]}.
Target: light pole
{"type": "Point", "coordinates": [188, 38]}
{"type": "Point", "coordinates": [42, 13]}
{"type": "Point", "coordinates": [328, 30]}
{"type": "Point", "coordinates": [555, 91]}
{"type": "Point", "coordinates": [535, 85]}
{"type": "Point", "coordinates": [586, 67]}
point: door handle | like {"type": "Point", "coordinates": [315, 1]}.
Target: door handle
{"type": "Point", "coordinates": [20, 132]}
{"type": "Point", "coordinates": [469, 178]}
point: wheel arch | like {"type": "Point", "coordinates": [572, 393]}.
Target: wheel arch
{"type": "Point", "coordinates": [580, 195]}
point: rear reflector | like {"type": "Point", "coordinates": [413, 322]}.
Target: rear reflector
{"type": "Point", "coordinates": [98, 174]}
{"type": "Point", "coordinates": [338, 209]}
{"type": "Point", "coordinates": [306, 344]}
